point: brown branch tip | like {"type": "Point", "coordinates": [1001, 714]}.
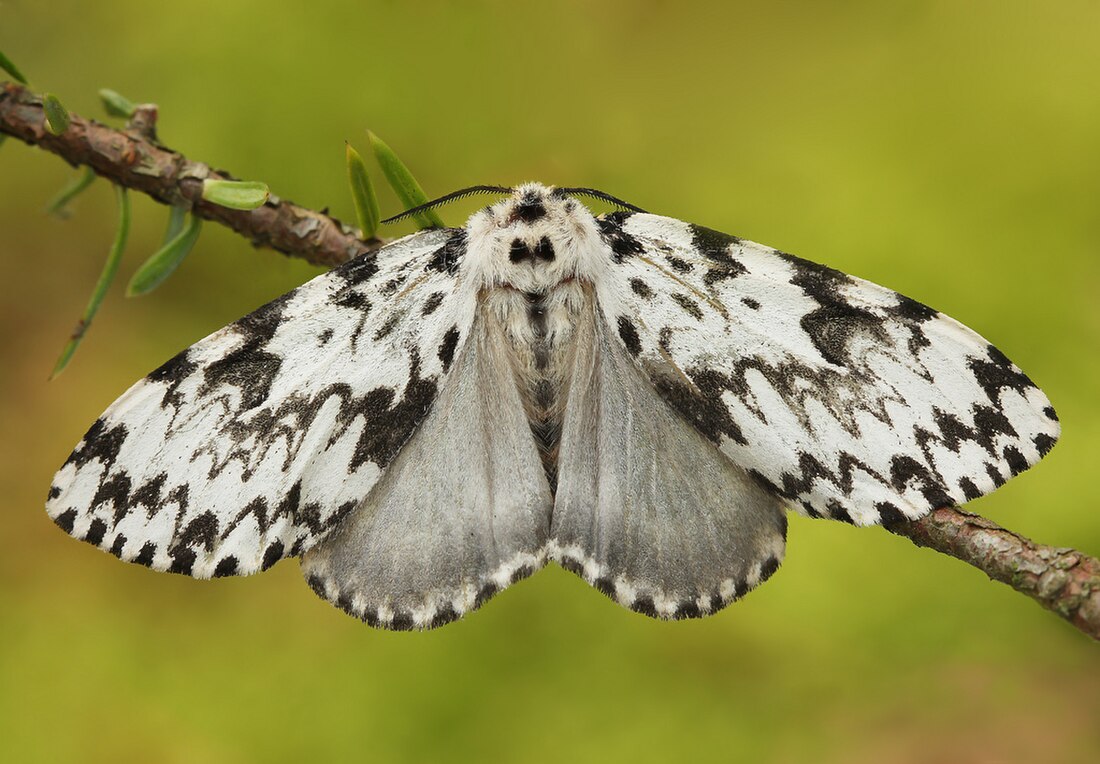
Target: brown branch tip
{"type": "Point", "coordinates": [133, 158]}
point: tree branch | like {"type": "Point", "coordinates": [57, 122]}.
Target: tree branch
{"type": "Point", "coordinates": [1060, 579]}
{"type": "Point", "coordinates": [133, 158]}
{"type": "Point", "coordinates": [1064, 581]}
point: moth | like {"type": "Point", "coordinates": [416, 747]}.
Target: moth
{"type": "Point", "coordinates": [636, 398]}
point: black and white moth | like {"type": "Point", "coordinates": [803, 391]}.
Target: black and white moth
{"type": "Point", "coordinates": [634, 397]}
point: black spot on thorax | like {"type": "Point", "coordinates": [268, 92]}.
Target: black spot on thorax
{"type": "Point", "coordinates": [530, 209]}
{"type": "Point", "coordinates": [520, 251]}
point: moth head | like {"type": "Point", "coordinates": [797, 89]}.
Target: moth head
{"type": "Point", "coordinates": [533, 240]}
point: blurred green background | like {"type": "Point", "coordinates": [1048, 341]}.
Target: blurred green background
{"type": "Point", "coordinates": [949, 150]}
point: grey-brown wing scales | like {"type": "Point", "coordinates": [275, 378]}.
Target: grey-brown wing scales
{"type": "Point", "coordinates": [462, 512]}
{"type": "Point", "coordinates": [647, 509]}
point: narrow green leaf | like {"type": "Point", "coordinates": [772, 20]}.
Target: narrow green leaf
{"type": "Point", "coordinates": [403, 183]}
{"type": "Point", "coordinates": [362, 193]}
{"type": "Point", "coordinates": [162, 263]}
{"type": "Point", "coordinates": [2, 139]}
{"type": "Point", "coordinates": [177, 214]}
{"type": "Point", "coordinates": [117, 105]}
{"type": "Point", "coordinates": [110, 268]}
{"type": "Point", "coordinates": [57, 117]}
{"type": "Point", "coordinates": [7, 65]}
{"type": "Point", "coordinates": [69, 192]}
{"type": "Point", "coordinates": [235, 194]}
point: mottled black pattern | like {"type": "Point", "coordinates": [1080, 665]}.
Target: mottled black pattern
{"type": "Point", "coordinates": [359, 270]}
{"type": "Point", "coordinates": [244, 424]}
{"type": "Point", "coordinates": [678, 264]}
{"type": "Point", "coordinates": [803, 387]}
{"type": "Point", "coordinates": [145, 554]}
{"type": "Point", "coordinates": [530, 209]}
{"type": "Point", "coordinates": [100, 442]}
{"type": "Point", "coordinates": [629, 334]}
{"type": "Point", "coordinates": [690, 605]}
{"type": "Point", "coordinates": [622, 244]}
{"type": "Point", "coordinates": [641, 289]}
{"type": "Point", "coordinates": [853, 340]}
{"type": "Point", "coordinates": [355, 301]}
{"type": "Point", "coordinates": [688, 305]}
{"type": "Point", "coordinates": [402, 619]}
{"type": "Point", "coordinates": [447, 348]}
{"type": "Point", "coordinates": [172, 374]}
{"type": "Point", "coordinates": [793, 485]}
{"type": "Point", "coordinates": [227, 566]}
{"type": "Point", "coordinates": [521, 251]}
{"type": "Point", "coordinates": [698, 401]}
{"type": "Point", "coordinates": [912, 315]}
{"type": "Point", "coordinates": [388, 326]}
{"type": "Point", "coordinates": [115, 491]}
{"type": "Point", "coordinates": [836, 323]}
{"type": "Point", "coordinates": [118, 545]}
{"type": "Point", "coordinates": [446, 259]}
{"type": "Point", "coordinates": [249, 367]}
{"type": "Point", "coordinates": [435, 299]}
{"type": "Point", "coordinates": [715, 246]}
{"type": "Point", "coordinates": [996, 373]}
{"type": "Point", "coordinates": [290, 420]}
{"type": "Point", "coordinates": [1043, 443]}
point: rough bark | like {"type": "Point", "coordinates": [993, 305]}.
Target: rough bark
{"type": "Point", "coordinates": [1060, 579]}
{"type": "Point", "coordinates": [1064, 581]}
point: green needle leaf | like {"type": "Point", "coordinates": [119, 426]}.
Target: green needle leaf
{"type": "Point", "coordinates": [12, 69]}
{"type": "Point", "coordinates": [162, 263]}
{"type": "Point", "coordinates": [235, 194]}
{"type": "Point", "coordinates": [117, 105]}
{"type": "Point", "coordinates": [114, 256]}
{"type": "Point", "coordinates": [362, 193]}
{"type": "Point", "coordinates": [57, 117]}
{"type": "Point", "coordinates": [68, 193]}
{"type": "Point", "coordinates": [404, 184]}
{"type": "Point", "coordinates": [177, 214]}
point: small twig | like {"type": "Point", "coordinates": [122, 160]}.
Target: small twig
{"type": "Point", "coordinates": [132, 158]}
{"type": "Point", "coordinates": [1064, 581]}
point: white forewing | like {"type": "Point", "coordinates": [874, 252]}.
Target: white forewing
{"type": "Point", "coordinates": [253, 443]}
{"type": "Point", "coordinates": [844, 398]}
